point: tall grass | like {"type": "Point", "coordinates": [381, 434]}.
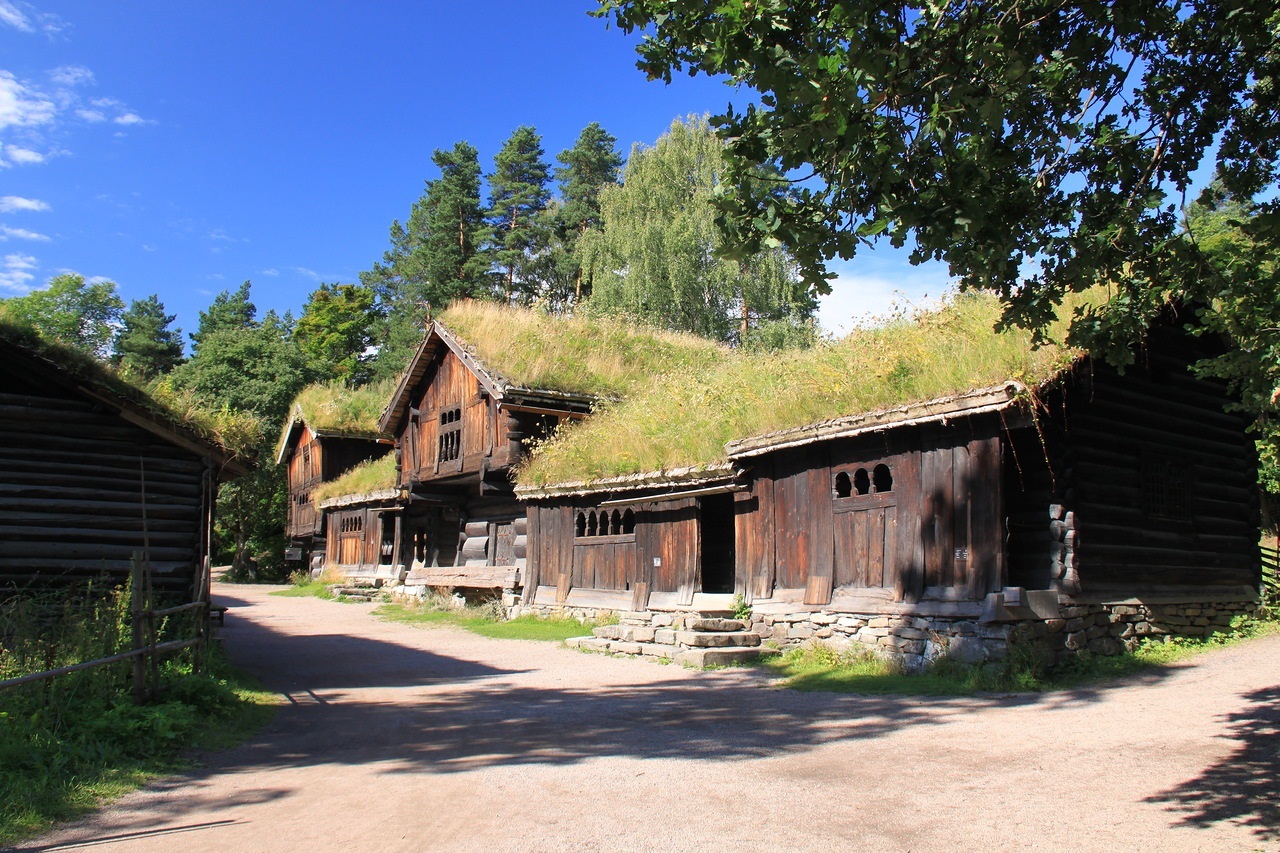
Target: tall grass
{"type": "Point", "coordinates": [370, 476]}
{"type": "Point", "coordinates": [578, 354]}
{"type": "Point", "coordinates": [68, 742]}
{"type": "Point", "coordinates": [335, 407]}
{"type": "Point", "coordinates": [685, 417]}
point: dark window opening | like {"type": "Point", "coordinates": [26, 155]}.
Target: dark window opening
{"type": "Point", "coordinates": [1166, 490]}
{"type": "Point", "coordinates": [861, 482]}
{"type": "Point", "coordinates": [844, 487]}
{"type": "Point", "coordinates": [882, 479]}
{"type": "Point", "coordinates": [450, 441]}
{"type": "Point", "coordinates": [581, 528]}
{"type": "Point", "coordinates": [628, 522]}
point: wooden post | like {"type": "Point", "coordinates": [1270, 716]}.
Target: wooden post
{"type": "Point", "coordinates": [135, 611]}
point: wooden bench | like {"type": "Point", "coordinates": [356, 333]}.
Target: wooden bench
{"type": "Point", "coordinates": [217, 614]}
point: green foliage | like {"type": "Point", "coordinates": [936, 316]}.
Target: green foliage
{"type": "Point", "coordinates": [685, 417]}
{"type": "Point", "coordinates": [228, 312]}
{"type": "Point", "coordinates": [336, 330]}
{"type": "Point", "coordinates": [592, 164]}
{"type": "Point", "coordinates": [485, 620]}
{"type": "Point", "coordinates": [1038, 149]}
{"type": "Point", "coordinates": [70, 311]}
{"type": "Point", "coordinates": [145, 346]}
{"type": "Point", "coordinates": [438, 255]}
{"type": "Point", "coordinates": [741, 610]}
{"type": "Point", "coordinates": [69, 742]}
{"type": "Point", "coordinates": [518, 195]}
{"type": "Point", "coordinates": [656, 256]}
{"type": "Point", "coordinates": [243, 365]}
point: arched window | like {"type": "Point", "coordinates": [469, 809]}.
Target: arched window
{"type": "Point", "coordinates": [582, 525]}
{"type": "Point", "coordinates": [592, 524]}
{"type": "Point", "coordinates": [615, 523]}
{"type": "Point", "coordinates": [628, 522]}
{"type": "Point", "coordinates": [844, 487]}
{"type": "Point", "coordinates": [881, 479]}
{"type": "Point", "coordinates": [861, 482]}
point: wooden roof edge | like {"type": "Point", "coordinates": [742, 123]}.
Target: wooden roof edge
{"type": "Point", "coordinates": [498, 386]}
{"type": "Point", "coordinates": [689, 477]}
{"type": "Point", "coordinates": [297, 419]}
{"type": "Point", "coordinates": [995, 398]}
{"type": "Point", "coordinates": [354, 498]}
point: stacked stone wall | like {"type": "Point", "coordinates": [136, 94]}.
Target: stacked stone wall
{"type": "Point", "coordinates": [1101, 629]}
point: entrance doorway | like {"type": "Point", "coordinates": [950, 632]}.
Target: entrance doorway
{"type": "Point", "coordinates": [715, 537]}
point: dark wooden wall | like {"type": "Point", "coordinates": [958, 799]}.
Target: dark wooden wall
{"type": "Point", "coordinates": [305, 468]}
{"type": "Point", "coordinates": [71, 494]}
{"type": "Point", "coordinates": [1160, 479]}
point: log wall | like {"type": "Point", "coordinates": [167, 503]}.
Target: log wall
{"type": "Point", "coordinates": [82, 491]}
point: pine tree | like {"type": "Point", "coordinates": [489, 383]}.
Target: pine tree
{"type": "Point", "coordinates": [517, 196]}
{"type": "Point", "coordinates": [228, 311]}
{"type": "Point", "coordinates": [336, 329]}
{"type": "Point", "coordinates": [145, 345]}
{"type": "Point", "coordinates": [436, 256]}
{"type": "Point", "coordinates": [593, 163]}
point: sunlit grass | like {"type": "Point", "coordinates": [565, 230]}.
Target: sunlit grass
{"type": "Point", "coordinates": [484, 621]}
{"type": "Point", "coordinates": [685, 417]}
{"type": "Point", "coordinates": [373, 475]}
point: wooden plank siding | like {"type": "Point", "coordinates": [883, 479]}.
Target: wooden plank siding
{"type": "Point", "coordinates": [1162, 479]}
{"type": "Point", "coordinates": [82, 491]}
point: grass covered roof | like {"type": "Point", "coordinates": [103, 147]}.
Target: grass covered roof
{"type": "Point", "coordinates": [332, 407]}
{"type": "Point", "coordinates": [580, 355]}
{"type": "Point", "coordinates": [367, 478]}
{"type": "Point", "coordinates": [229, 434]}
{"type": "Point", "coordinates": [685, 417]}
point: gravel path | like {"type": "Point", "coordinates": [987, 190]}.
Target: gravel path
{"type": "Point", "coordinates": [395, 737]}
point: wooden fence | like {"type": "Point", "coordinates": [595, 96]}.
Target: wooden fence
{"type": "Point", "coordinates": [146, 649]}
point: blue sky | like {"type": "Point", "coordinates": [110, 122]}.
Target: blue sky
{"type": "Point", "coordinates": [180, 148]}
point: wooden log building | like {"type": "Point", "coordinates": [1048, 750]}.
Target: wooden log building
{"type": "Point", "coordinates": [1086, 512]}
{"type": "Point", "coordinates": [320, 442]}
{"type": "Point", "coordinates": [93, 474]}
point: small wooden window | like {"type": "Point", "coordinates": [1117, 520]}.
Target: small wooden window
{"type": "Point", "coordinates": [596, 523]}
{"type": "Point", "coordinates": [450, 440]}
{"type": "Point", "coordinates": [1166, 489]}
{"type": "Point", "coordinates": [861, 482]}
{"type": "Point", "coordinates": [881, 479]}
{"type": "Point", "coordinates": [844, 486]}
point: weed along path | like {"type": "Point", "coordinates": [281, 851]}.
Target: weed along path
{"type": "Point", "coordinates": [395, 737]}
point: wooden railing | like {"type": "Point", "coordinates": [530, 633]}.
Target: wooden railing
{"type": "Point", "coordinates": [146, 649]}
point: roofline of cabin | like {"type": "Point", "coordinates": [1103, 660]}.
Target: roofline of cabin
{"type": "Point", "coordinates": [997, 398]}
{"type": "Point", "coordinates": [169, 429]}
{"type": "Point", "coordinates": [358, 498]}
{"type": "Point", "coordinates": [676, 478]}
{"type": "Point", "coordinates": [498, 386]}
{"type": "Point", "coordinates": [297, 419]}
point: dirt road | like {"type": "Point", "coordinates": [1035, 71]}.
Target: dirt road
{"type": "Point", "coordinates": [401, 738]}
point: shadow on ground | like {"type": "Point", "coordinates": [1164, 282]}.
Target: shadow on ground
{"type": "Point", "coordinates": [1242, 788]}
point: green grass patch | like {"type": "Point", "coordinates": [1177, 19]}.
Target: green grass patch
{"type": "Point", "coordinates": [484, 620]}
{"type": "Point", "coordinates": [71, 743]}
{"type": "Point", "coordinates": [818, 667]}
{"type": "Point", "coordinates": [312, 589]}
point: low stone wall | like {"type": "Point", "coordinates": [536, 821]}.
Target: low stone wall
{"type": "Point", "coordinates": [1101, 629]}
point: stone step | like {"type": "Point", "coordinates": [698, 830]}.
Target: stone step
{"type": "Point", "coordinates": [626, 633]}
{"type": "Point", "coordinates": [716, 639]}
{"type": "Point", "coordinates": [715, 624]}
{"type": "Point", "coordinates": [703, 658]}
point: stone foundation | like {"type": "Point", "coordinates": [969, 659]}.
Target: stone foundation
{"type": "Point", "coordinates": [1099, 628]}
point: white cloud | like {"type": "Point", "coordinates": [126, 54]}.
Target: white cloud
{"type": "Point", "coordinates": [91, 116]}
{"type": "Point", "coordinates": [131, 118]}
{"type": "Point", "coordinates": [270, 272]}
{"type": "Point", "coordinates": [13, 204]}
{"type": "Point", "coordinates": [23, 106]}
{"type": "Point", "coordinates": [15, 273]}
{"type": "Point", "coordinates": [861, 292]}
{"type": "Point", "coordinates": [7, 233]}
{"type": "Point", "coordinates": [148, 247]}
{"type": "Point", "coordinates": [23, 156]}
{"type": "Point", "coordinates": [311, 274]}
{"type": "Point", "coordinates": [12, 16]}
{"type": "Point", "coordinates": [71, 76]}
